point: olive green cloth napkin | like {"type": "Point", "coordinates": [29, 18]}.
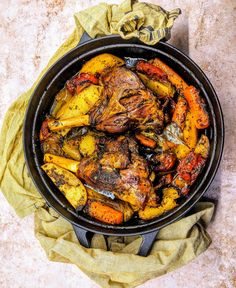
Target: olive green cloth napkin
{"type": "Point", "coordinates": [114, 264]}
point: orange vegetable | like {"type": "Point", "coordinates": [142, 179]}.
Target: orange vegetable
{"type": "Point", "coordinates": [146, 141]}
{"type": "Point", "coordinates": [172, 76]}
{"type": "Point", "coordinates": [79, 82]}
{"type": "Point", "coordinates": [197, 109]}
{"type": "Point", "coordinates": [151, 70]}
{"type": "Point", "coordinates": [164, 161]}
{"type": "Point", "coordinates": [103, 212]}
{"type": "Point", "coordinates": [180, 112]}
{"type": "Point", "coordinates": [44, 130]}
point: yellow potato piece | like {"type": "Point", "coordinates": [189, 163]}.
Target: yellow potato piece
{"type": "Point", "coordinates": [190, 131]}
{"type": "Point", "coordinates": [81, 103]}
{"type": "Point", "coordinates": [71, 149]}
{"type": "Point", "coordinates": [182, 151]}
{"type": "Point", "coordinates": [203, 146]}
{"type": "Point", "coordinates": [151, 212]}
{"type": "Point", "coordinates": [63, 162]}
{"type": "Point", "coordinates": [170, 192]}
{"type": "Point", "coordinates": [100, 63]}
{"type": "Point", "coordinates": [62, 97]}
{"type": "Point", "coordinates": [161, 89]}
{"type": "Point", "coordinates": [65, 124]}
{"type": "Point", "coordinates": [168, 202]}
{"type": "Point", "coordinates": [87, 145]}
{"type": "Point", "coordinates": [68, 184]}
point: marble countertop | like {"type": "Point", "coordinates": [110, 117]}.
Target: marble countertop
{"type": "Point", "coordinates": [31, 31]}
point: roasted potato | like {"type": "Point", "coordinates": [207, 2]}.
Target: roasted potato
{"type": "Point", "coordinates": [203, 146]}
{"type": "Point", "coordinates": [71, 149]}
{"type": "Point", "coordinates": [162, 89]}
{"type": "Point", "coordinates": [168, 202]}
{"type": "Point", "coordinates": [100, 63]}
{"type": "Point", "coordinates": [52, 145]}
{"type": "Point", "coordinates": [182, 151]}
{"type": "Point", "coordinates": [62, 97]}
{"type": "Point", "coordinates": [190, 131]}
{"type": "Point", "coordinates": [87, 145]}
{"type": "Point", "coordinates": [59, 125]}
{"type": "Point", "coordinates": [68, 184]}
{"type": "Point", "coordinates": [63, 162]}
{"type": "Point", "coordinates": [81, 103]}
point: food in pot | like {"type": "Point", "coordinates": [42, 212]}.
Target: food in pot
{"type": "Point", "coordinates": [123, 142]}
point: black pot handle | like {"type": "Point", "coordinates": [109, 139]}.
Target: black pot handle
{"type": "Point", "coordinates": [148, 240]}
{"type": "Point", "coordinates": [85, 237]}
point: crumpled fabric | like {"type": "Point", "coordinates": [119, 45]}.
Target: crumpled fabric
{"type": "Point", "coordinates": [112, 262]}
{"type": "Point", "coordinates": [148, 22]}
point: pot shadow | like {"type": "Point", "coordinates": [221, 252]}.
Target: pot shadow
{"type": "Point", "coordinates": [180, 36]}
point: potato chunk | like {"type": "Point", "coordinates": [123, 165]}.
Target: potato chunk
{"type": "Point", "coordinates": [68, 184]}
{"type": "Point", "coordinates": [100, 63]}
{"type": "Point", "coordinates": [87, 145]}
{"type": "Point", "coordinates": [168, 202]}
{"type": "Point", "coordinates": [81, 103]}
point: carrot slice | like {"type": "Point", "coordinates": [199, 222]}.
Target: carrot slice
{"type": "Point", "coordinates": [172, 76]}
{"type": "Point", "coordinates": [79, 82]}
{"type": "Point", "coordinates": [151, 70]}
{"type": "Point", "coordinates": [104, 213]}
{"type": "Point", "coordinates": [146, 141]}
{"type": "Point", "coordinates": [44, 130]}
{"type": "Point", "coordinates": [196, 107]}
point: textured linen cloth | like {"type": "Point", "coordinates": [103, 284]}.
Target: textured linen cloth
{"type": "Point", "coordinates": [111, 263]}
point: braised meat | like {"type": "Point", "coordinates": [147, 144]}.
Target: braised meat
{"type": "Point", "coordinates": [126, 104]}
{"type": "Point", "coordinates": [119, 168]}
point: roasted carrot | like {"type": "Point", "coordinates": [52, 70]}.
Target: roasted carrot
{"type": "Point", "coordinates": [148, 142]}
{"type": "Point", "coordinates": [180, 112]}
{"type": "Point", "coordinates": [79, 82]}
{"type": "Point", "coordinates": [164, 161]}
{"type": "Point", "coordinates": [103, 213]}
{"type": "Point", "coordinates": [150, 70]}
{"type": "Point", "coordinates": [196, 107]}
{"type": "Point", "coordinates": [190, 167]}
{"type": "Point", "coordinates": [172, 76]}
{"type": "Point", "coordinates": [44, 130]}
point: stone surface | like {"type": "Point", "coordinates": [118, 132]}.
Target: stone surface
{"type": "Point", "coordinates": [31, 31]}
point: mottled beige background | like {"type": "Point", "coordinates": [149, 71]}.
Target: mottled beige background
{"type": "Point", "coordinates": [30, 32]}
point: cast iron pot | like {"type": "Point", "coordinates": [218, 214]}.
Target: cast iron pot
{"type": "Point", "coordinates": [42, 99]}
